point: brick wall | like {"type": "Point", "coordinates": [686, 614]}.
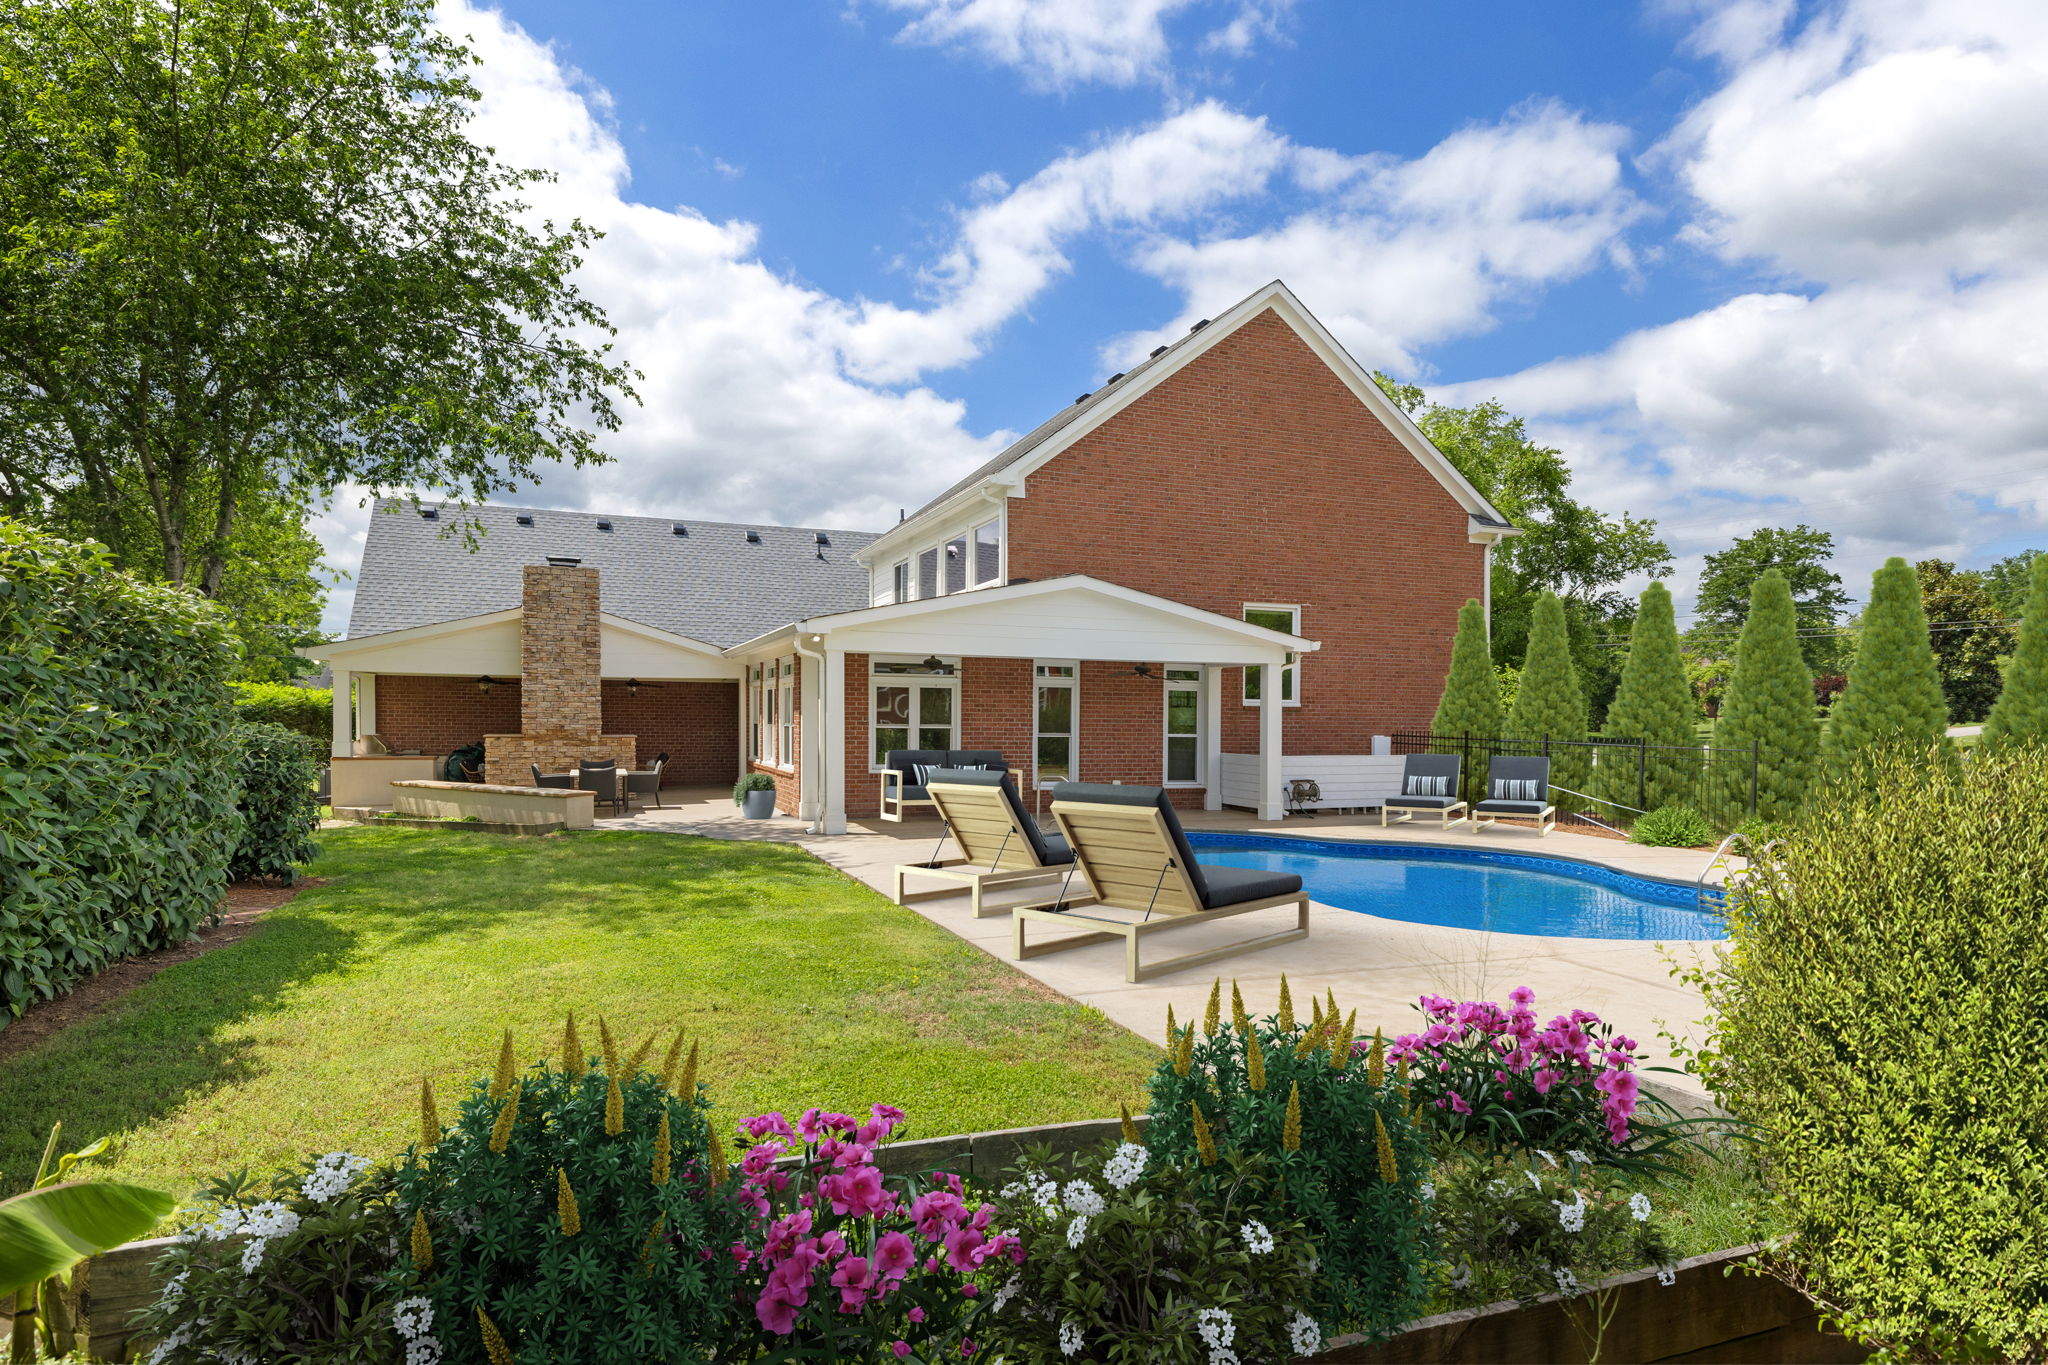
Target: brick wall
{"type": "Point", "coordinates": [435, 715]}
{"type": "Point", "coordinates": [696, 723]}
{"type": "Point", "coordinates": [1255, 475]}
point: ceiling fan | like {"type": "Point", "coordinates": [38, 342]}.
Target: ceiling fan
{"type": "Point", "coordinates": [1136, 671]}
{"type": "Point", "coordinates": [633, 686]}
{"type": "Point", "coordinates": [933, 663]}
{"type": "Point", "coordinates": [487, 682]}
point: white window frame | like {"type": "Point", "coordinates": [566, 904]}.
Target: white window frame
{"type": "Point", "coordinates": [1072, 682]}
{"type": "Point", "coordinates": [771, 713]}
{"type": "Point", "coordinates": [1168, 734]}
{"type": "Point", "coordinates": [785, 689]}
{"type": "Point", "coordinates": [1291, 672]}
{"type": "Point", "coordinates": [877, 681]}
{"type": "Point", "coordinates": [900, 581]}
{"type": "Point", "coordinates": [974, 551]}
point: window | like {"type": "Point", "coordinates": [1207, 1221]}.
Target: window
{"type": "Point", "coordinates": [771, 707]}
{"type": "Point", "coordinates": [1056, 723]}
{"type": "Point", "coordinates": [785, 704]}
{"type": "Point", "coordinates": [928, 574]}
{"type": "Point", "coordinates": [1183, 727]}
{"type": "Point", "coordinates": [956, 564]}
{"type": "Point", "coordinates": [913, 706]}
{"type": "Point", "coordinates": [900, 581]}
{"type": "Point", "coordinates": [1288, 621]}
{"type": "Point", "coordinates": [754, 710]}
{"type": "Point", "coordinates": [988, 552]}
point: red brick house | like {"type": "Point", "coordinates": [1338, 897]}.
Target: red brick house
{"type": "Point", "coordinates": [1233, 565]}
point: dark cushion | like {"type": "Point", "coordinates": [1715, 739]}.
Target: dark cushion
{"type": "Point", "coordinates": [976, 758]}
{"type": "Point", "coordinates": [1050, 849]}
{"type": "Point", "coordinates": [1431, 765]}
{"type": "Point", "coordinates": [1423, 802]}
{"type": "Point", "coordinates": [1112, 794]}
{"type": "Point", "coordinates": [1235, 885]}
{"type": "Point", "coordinates": [1511, 807]}
{"type": "Point", "coordinates": [902, 759]}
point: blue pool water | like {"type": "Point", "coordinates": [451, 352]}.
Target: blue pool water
{"type": "Point", "coordinates": [1505, 893]}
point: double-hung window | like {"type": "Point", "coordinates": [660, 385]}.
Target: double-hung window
{"type": "Point", "coordinates": [900, 581]}
{"type": "Point", "coordinates": [771, 706]}
{"type": "Point", "coordinates": [1056, 728]}
{"type": "Point", "coordinates": [1286, 620]}
{"type": "Point", "coordinates": [1183, 727]}
{"type": "Point", "coordinates": [988, 552]}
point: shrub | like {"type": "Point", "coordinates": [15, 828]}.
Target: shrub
{"type": "Point", "coordinates": [1879, 1018]}
{"type": "Point", "coordinates": [2021, 712]}
{"type": "Point", "coordinates": [280, 806]}
{"type": "Point", "coordinates": [858, 1267]}
{"type": "Point", "coordinates": [308, 710]}
{"type": "Point", "coordinates": [296, 1267]}
{"type": "Point", "coordinates": [571, 1212]}
{"type": "Point", "coordinates": [1334, 1129]}
{"type": "Point", "coordinates": [1470, 704]}
{"type": "Point", "coordinates": [1162, 1261]}
{"type": "Point", "coordinates": [1654, 703]}
{"type": "Point", "coordinates": [117, 808]}
{"type": "Point", "coordinates": [1674, 827]}
{"type": "Point", "coordinates": [1894, 694]}
{"type": "Point", "coordinates": [1550, 703]}
{"type": "Point", "coordinates": [1770, 705]}
{"type": "Point", "coordinates": [751, 782]}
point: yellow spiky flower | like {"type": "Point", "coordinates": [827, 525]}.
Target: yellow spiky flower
{"type": "Point", "coordinates": [1390, 1170]}
{"type": "Point", "coordinates": [1315, 1017]}
{"type": "Point", "coordinates": [661, 1151]}
{"type": "Point", "coordinates": [611, 1049]}
{"type": "Point", "coordinates": [422, 1243]}
{"type": "Point", "coordinates": [1130, 1125]}
{"type": "Point", "coordinates": [574, 1062]}
{"type": "Point", "coordinates": [1290, 1127]}
{"type": "Point", "coordinates": [614, 1108]}
{"type": "Point", "coordinates": [1255, 1064]}
{"type": "Point", "coordinates": [501, 1131]}
{"type": "Point", "coordinates": [653, 1240]}
{"type": "Point", "coordinates": [494, 1344]}
{"type": "Point", "coordinates": [1205, 1143]}
{"type": "Point", "coordinates": [508, 1070]}
{"type": "Point", "coordinates": [1171, 1031]}
{"type": "Point", "coordinates": [1330, 1010]}
{"type": "Point", "coordinates": [565, 1205]}
{"type": "Point", "coordinates": [668, 1063]}
{"type": "Point", "coordinates": [719, 1169]}
{"type": "Point", "coordinates": [430, 1117]}
{"type": "Point", "coordinates": [1340, 1043]}
{"type": "Point", "coordinates": [1239, 1020]}
{"type": "Point", "coordinates": [1184, 1051]}
{"type": "Point", "coordinates": [1214, 1014]}
{"type": "Point", "coordinates": [1376, 1061]}
{"type": "Point", "coordinates": [686, 1090]}
{"type": "Point", "coordinates": [1286, 1010]}
{"type": "Point", "coordinates": [639, 1057]}
{"type": "Point", "coordinates": [1313, 1038]}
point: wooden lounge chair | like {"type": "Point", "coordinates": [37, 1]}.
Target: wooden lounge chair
{"type": "Point", "coordinates": [1429, 786]}
{"type": "Point", "coordinates": [1000, 844]}
{"type": "Point", "coordinates": [1128, 845]}
{"type": "Point", "coordinates": [1516, 789]}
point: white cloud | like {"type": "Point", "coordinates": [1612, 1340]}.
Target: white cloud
{"type": "Point", "coordinates": [1057, 44]}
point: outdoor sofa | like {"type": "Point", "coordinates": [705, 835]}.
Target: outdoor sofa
{"type": "Point", "coordinates": [905, 771]}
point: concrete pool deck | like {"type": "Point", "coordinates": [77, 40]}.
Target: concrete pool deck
{"type": "Point", "coordinates": [1376, 966]}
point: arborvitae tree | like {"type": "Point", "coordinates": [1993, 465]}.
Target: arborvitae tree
{"type": "Point", "coordinates": [1653, 704]}
{"type": "Point", "coordinates": [1894, 693]}
{"type": "Point", "coordinates": [1471, 701]}
{"type": "Point", "coordinates": [1549, 702]}
{"type": "Point", "coordinates": [1769, 705]}
{"type": "Point", "coordinates": [2022, 709]}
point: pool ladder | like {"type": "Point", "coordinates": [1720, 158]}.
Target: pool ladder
{"type": "Point", "coordinates": [1753, 860]}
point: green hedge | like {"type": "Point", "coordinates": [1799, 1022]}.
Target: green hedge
{"type": "Point", "coordinates": [308, 710]}
{"type": "Point", "coordinates": [280, 804]}
{"type": "Point", "coordinates": [117, 774]}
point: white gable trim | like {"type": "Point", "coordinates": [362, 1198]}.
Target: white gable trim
{"type": "Point", "coordinates": [342, 651]}
{"type": "Point", "coordinates": [489, 643]}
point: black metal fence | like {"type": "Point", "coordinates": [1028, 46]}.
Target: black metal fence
{"type": "Point", "coordinates": [1615, 780]}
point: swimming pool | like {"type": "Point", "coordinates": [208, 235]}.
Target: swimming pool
{"type": "Point", "coordinates": [1505, 893]}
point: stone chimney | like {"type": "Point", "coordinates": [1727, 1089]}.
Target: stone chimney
{"type": "Point", "coordinates": [561, 709]}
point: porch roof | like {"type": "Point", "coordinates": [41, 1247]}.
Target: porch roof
{"type": "Point", "coordinates": [489, 644]}
{"type": "Point", "coordinates": [1073, 616]}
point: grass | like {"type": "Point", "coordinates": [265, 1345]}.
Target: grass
{"type": "Point", "coordinates": [311, 1035]}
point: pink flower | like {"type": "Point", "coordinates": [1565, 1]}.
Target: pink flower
{"type": "Point", "coordinates": [969, 1290]}
{"type": "Point", "coordinates": [857, 1192]}
{"type": "Point", "coordinates": [855, 1281]}
{"type": "Point", "coordinates": [937, 1212]}
{"type": "Point", "coordinates": [1522, 996]}
{"type": "Point", "coordinates": [1458, 1105]}
{"type": "Point", "coordinates": [894, 1255]}
{"type": "Point", "coordinates": [967, 1348]}
{"type": "Point", "coordinates": [848, 1154]}
{"type": "Point", "coordinates": [917, 1315]}
{"type": "Point", "coordinates": [1544, 1079]}
{"type": "Point", "coordinates": [960, 1247]}
{"type": "Point", "coordinates": [761, 1125]}
{"type": "Point", "coordinates": [776, 1314]}
{"type": "Point", "coordinates": [901, 1348]}
{"type": "Point", "coordinates": [760, 1159]}
{"type": "Point", "coordinates": [888, 1115]}
{"type": "Point", "coordinates": [808, 1127]}
{"type": "Point", "coordinates": [784, 1233]}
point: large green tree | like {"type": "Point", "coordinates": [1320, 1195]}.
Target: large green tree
{"type": "Point", "coordinates": [1768, 709]}
{"type": "Point", "coordinates": [1965, 627]}
{"type": "Point", "coordinates": [1894, 694]}
{"type": "Point", "coordinates": [1654, 704]}
{"type": "Point", "coordinates": [1800, 554]}
{"type": "Point", "coordinates": [2008, 581]}
{"type": "Point", "coordinates": [2022, 709]}
{"type": "Point", "coordinates": [1566, 546]}
{"type": "Point", "coordinates": [1549, 702]}
{"type": "Point", "coordinates": [247, 251]}
{"type": "Point", "coordinates": [1470, 704]}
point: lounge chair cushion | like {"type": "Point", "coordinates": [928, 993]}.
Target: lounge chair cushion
{"type": "Point", "coordinates": [1217, 886]}
{"type": "Point", "coordinates": [1050, 849]}
{"type": "Point", "coordinates": [1423, 802]}
{"type": "Point", "coordinates": [1510, 808]}
{"type": "Point", "coordinates": [1234, 885]}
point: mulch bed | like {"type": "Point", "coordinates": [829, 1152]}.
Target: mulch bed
{"type": "Point", "coordinates": [244, 904]}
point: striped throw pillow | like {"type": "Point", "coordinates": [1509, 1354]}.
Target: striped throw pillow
{"type": "Point", "coordinates": [1513, 789]}
{"type": "Point", "coordinates": [922, 772]}
{"type": "Point", "coordinates": [1427, 786]}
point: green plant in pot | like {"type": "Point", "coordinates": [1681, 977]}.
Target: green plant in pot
{"type": "Point", "coordinates": [754, 794]}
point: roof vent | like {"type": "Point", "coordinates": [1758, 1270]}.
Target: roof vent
{"type": "Point", "coordinates": [430, 514]}
{"type": "Point", "coordinates": [1084, 398]}
{"type": "Point", "coordinates": [1113, 378]}
{"type": "Point", "coordinates": [604, 526]}
{"type": "Point", "coordinates": [563, 561]}
{"type": "Point", "coordinates": [524, 519]}
{"type": "Point", "coordinates": [679, 530]}
{"type": "Point", "coordinates": [1198, 326]}
{"type": "Point", "coordinates": [823, 539]}
{"type": "Point", "coordinates": [1157, 351]}
{"type": "Point", "coordinates": [753, 537]}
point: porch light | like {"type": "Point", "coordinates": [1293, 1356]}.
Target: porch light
{"type": "Point", "coordinates": [483, 684]}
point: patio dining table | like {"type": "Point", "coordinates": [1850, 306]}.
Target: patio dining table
{"type": "Point", "coordinates": [625, 796]}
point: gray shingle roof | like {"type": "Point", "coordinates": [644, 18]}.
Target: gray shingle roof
{"type": "Point", "coordinates": [711, 585]}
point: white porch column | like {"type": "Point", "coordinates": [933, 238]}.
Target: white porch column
{"type": "Point", "coordinates": [1271, 803]}
{"type": "Point", "coordinates": [809, 689]}
{"type": "Point", "coordinates": [344, 715]}
{"type": "Point", "coordinates": [834, 708]}
{"type": "Point", "coordinates": [1212, 738]}
{"type": "Point", "coordinates": [366, 703]}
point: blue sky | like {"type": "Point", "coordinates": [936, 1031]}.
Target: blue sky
{"type": "Point", "coordinates": [1746, 262]}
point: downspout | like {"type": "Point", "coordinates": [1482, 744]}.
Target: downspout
{"type": "Point", "coordinates": [817, 825]}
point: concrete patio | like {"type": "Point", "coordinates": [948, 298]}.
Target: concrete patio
{"type": "Point", "coordinates": [1377, 966]}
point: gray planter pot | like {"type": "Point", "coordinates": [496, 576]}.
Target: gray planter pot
{"type": "Point", "coordinates": [759, 805]}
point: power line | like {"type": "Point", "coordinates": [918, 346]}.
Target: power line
{"type": "Point", "coordinates": [1727, 637]}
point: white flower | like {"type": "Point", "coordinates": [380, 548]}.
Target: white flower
{"type": "Point", "coordinates": [1426, 1190]}
{"type": "Point", "coordinates": [175, 1286]}
{"type": "Point", "coordinates": [1083, 1198]}
{"type": "Point", "coordinates": [332, 1175]}
{"type": "Point", "coordinates": [1005, 1294]}
{"type": "Point", "coordinates": [1576, 1155]}
{"type": "Point", "coordinates": [1547, 1157]}
{"type": "Point", "coordinates": [1222, 1355]}
{"type": "Point", "coordinates": [413, 1317]}
{"type": "Point", "coordinates": [1305, 1334]}
{"type": "Point", "coordinates": [1257, 1239]}
{"type": "Point", "coordinates": [1461, 1278]}
{"type": "Point", "coordinates": [270, 1219]}
{"type": "Point", "coordinates": [1534, 1179]}
{"type": "Point", "coordinates": [1071, 1339]}
{"type": "Point", "coordinates": [1572, 1217]}
{"type": "Point", "coordinates": [423, 1351]}
{"type": "Point", "coordinates": [1639, 1205]}
{"type": "Point", "coordinates": [252, 1254]}
{"type": "Point", "coordinates": [1511, 1227]}
{"type": "Point", "coordinates": [1077, 1231]}
{"type": "Point", "coordinates": [1124, 1168]}
{"type": "Point", "coordinates": [1667, 1275]}
{"type": "Point", "coordinates": [1011, 1190]}
{"type": "Point", "coordinates": [1046, 1194]}
{"type": "Point", "coordinates": [1216, 1327]}
{"type": "Point", "coordinates": [1497, 1188]}
{"type": "Point", "coordinates": [1567, 1283]}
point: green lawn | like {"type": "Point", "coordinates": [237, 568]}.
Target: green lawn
{"type": "Point", "coordinates": [312, 1035]}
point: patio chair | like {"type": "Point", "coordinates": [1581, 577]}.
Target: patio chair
{"type": "Point", "coordinates": [541, 779]}
{"type": "Point", "coordinates": [1429, 786]}
{"type": "Point", "coordinates": [647, 781]}
{"type": "Point", "coordinates": [1000, 844]}
{"type": "Point", "coordinates": [1516, 789]}
{"type": "Point", "coordinates": [603, 779]}
{"type": "Point", "coordinates": [1128, 845]}
{"type": "Point", "coordinates": [904, 771]}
